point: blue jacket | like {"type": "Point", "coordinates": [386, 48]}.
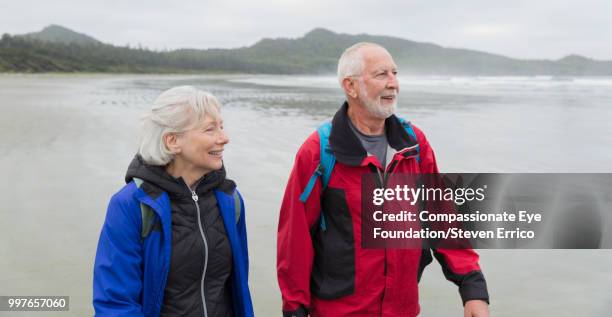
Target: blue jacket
{"type": "Point", "coordinates": [130, 273]}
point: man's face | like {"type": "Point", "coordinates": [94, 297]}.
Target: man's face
{"type": "Point", "coordinates": [378, 84]}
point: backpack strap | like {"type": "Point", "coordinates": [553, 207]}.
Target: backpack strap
{"type": "Point", "coordinates": [237, 205]}
{"type": "Point", "coordinates": [324, 169]}
{"type": "Point", "coordinates": [408, 127]}
{"type": "Point", "coordinates": [146, 213]}
{"type": "Point", "coordinates": [326, 162]}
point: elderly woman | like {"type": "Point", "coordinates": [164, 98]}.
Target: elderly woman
{"type": "Point", "coordinates": [174, 239]}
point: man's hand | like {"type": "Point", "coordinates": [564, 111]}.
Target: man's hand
{"type": "Point", "coordinates": [300, 312]}
{"type": "Point", "coordinates": [476, 308]}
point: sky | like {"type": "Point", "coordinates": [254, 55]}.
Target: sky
{"type": "Point", "coordinates": [534, 29]}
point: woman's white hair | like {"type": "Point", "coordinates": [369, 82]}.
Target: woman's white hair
{"type": "Point", "coordinates": [175, 110]}
{"type": "Point", "coordinates": [351, 60]}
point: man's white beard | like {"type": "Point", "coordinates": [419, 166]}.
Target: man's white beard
{"type": "Point", "coordinates": [375, 107]}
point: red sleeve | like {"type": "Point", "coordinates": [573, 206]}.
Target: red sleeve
{"type": "Point", "coordinates": [294, 245]}
{"type": "Point", "coordinates": [460, 266]}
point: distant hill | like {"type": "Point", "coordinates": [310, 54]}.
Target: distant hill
{"type": "Point", "coordinates": [60, 34]}
{"type": "Point", "coordinates": [56, 48]}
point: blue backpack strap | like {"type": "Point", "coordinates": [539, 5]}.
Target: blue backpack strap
{"type": "Point", "coordinates": [325, 167]}
{"type": "Point", "coordinates": [313, 179]}
{"type": "Point", "coordinates": [408, 127]}
{"type": "Point", "coordinates": [328, 160]}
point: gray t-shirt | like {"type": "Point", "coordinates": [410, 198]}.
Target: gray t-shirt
{"type": "Point", "coordinates": [373, 144]}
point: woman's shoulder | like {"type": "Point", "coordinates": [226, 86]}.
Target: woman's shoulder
{"type": "Point", "coordinates": [227, 186]}
{"type": "Point", "coordinates": [125, 198]}
{"type": "Point", "coordinates": [123, 221]}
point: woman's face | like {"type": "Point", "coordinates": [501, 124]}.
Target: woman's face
{"type": "Point", "coordinates": [202, 147]}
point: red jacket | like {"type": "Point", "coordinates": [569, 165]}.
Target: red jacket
{"type": "Point", "coordinates": [328, 272]}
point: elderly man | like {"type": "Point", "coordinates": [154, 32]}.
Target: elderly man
{"type": "Point", "coordinates": [322, 268]}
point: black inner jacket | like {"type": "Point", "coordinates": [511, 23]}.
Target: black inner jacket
{"type": "Point", "coordinates": [182, 295]}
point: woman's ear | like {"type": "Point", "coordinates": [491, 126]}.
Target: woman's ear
{"type": "Point", "coordinates": [172, 142]}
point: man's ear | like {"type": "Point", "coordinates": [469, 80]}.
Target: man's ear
{"type": "Point", "coordinates": [350, 87]}
{"type": "Point", "coordinates": [172, 142]}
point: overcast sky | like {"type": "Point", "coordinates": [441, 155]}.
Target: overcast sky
{"type": "Point", "coordinates": [523, 29]}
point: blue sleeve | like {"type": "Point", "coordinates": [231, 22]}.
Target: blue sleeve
{"type": "Point", "coordinates": [243, 306]}
{"type": "Point", "coordinates": [242, 234]}
{"type": "Point", "coordinates": [117, 280]}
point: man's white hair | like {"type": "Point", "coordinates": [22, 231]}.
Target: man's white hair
{"type": "Point", "coordinates": [176, 110]}
{"type": "Point", "coordinates": [351, 60]}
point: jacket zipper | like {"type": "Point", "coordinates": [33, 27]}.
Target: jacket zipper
{"type": "Point", "coordinates": [194, 196]}
{"type": "Point", "coordinates": [383, 177]}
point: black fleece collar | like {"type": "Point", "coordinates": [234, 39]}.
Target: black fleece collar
{"type": "Point", "coordinates": [156, 180]}
{"type": "Point", "coordinates": [346, 145]}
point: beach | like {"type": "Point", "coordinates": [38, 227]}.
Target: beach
{"type": "Point", "coordinates": [66, 141]}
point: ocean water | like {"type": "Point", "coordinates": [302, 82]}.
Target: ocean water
{"type": "Point", "coordinates": [66, 141]}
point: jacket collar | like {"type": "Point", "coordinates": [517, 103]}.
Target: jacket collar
{"type": "Point", "coordinates": [346, 145]}
{"type": "Point", "coordinates": [157, 180]}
